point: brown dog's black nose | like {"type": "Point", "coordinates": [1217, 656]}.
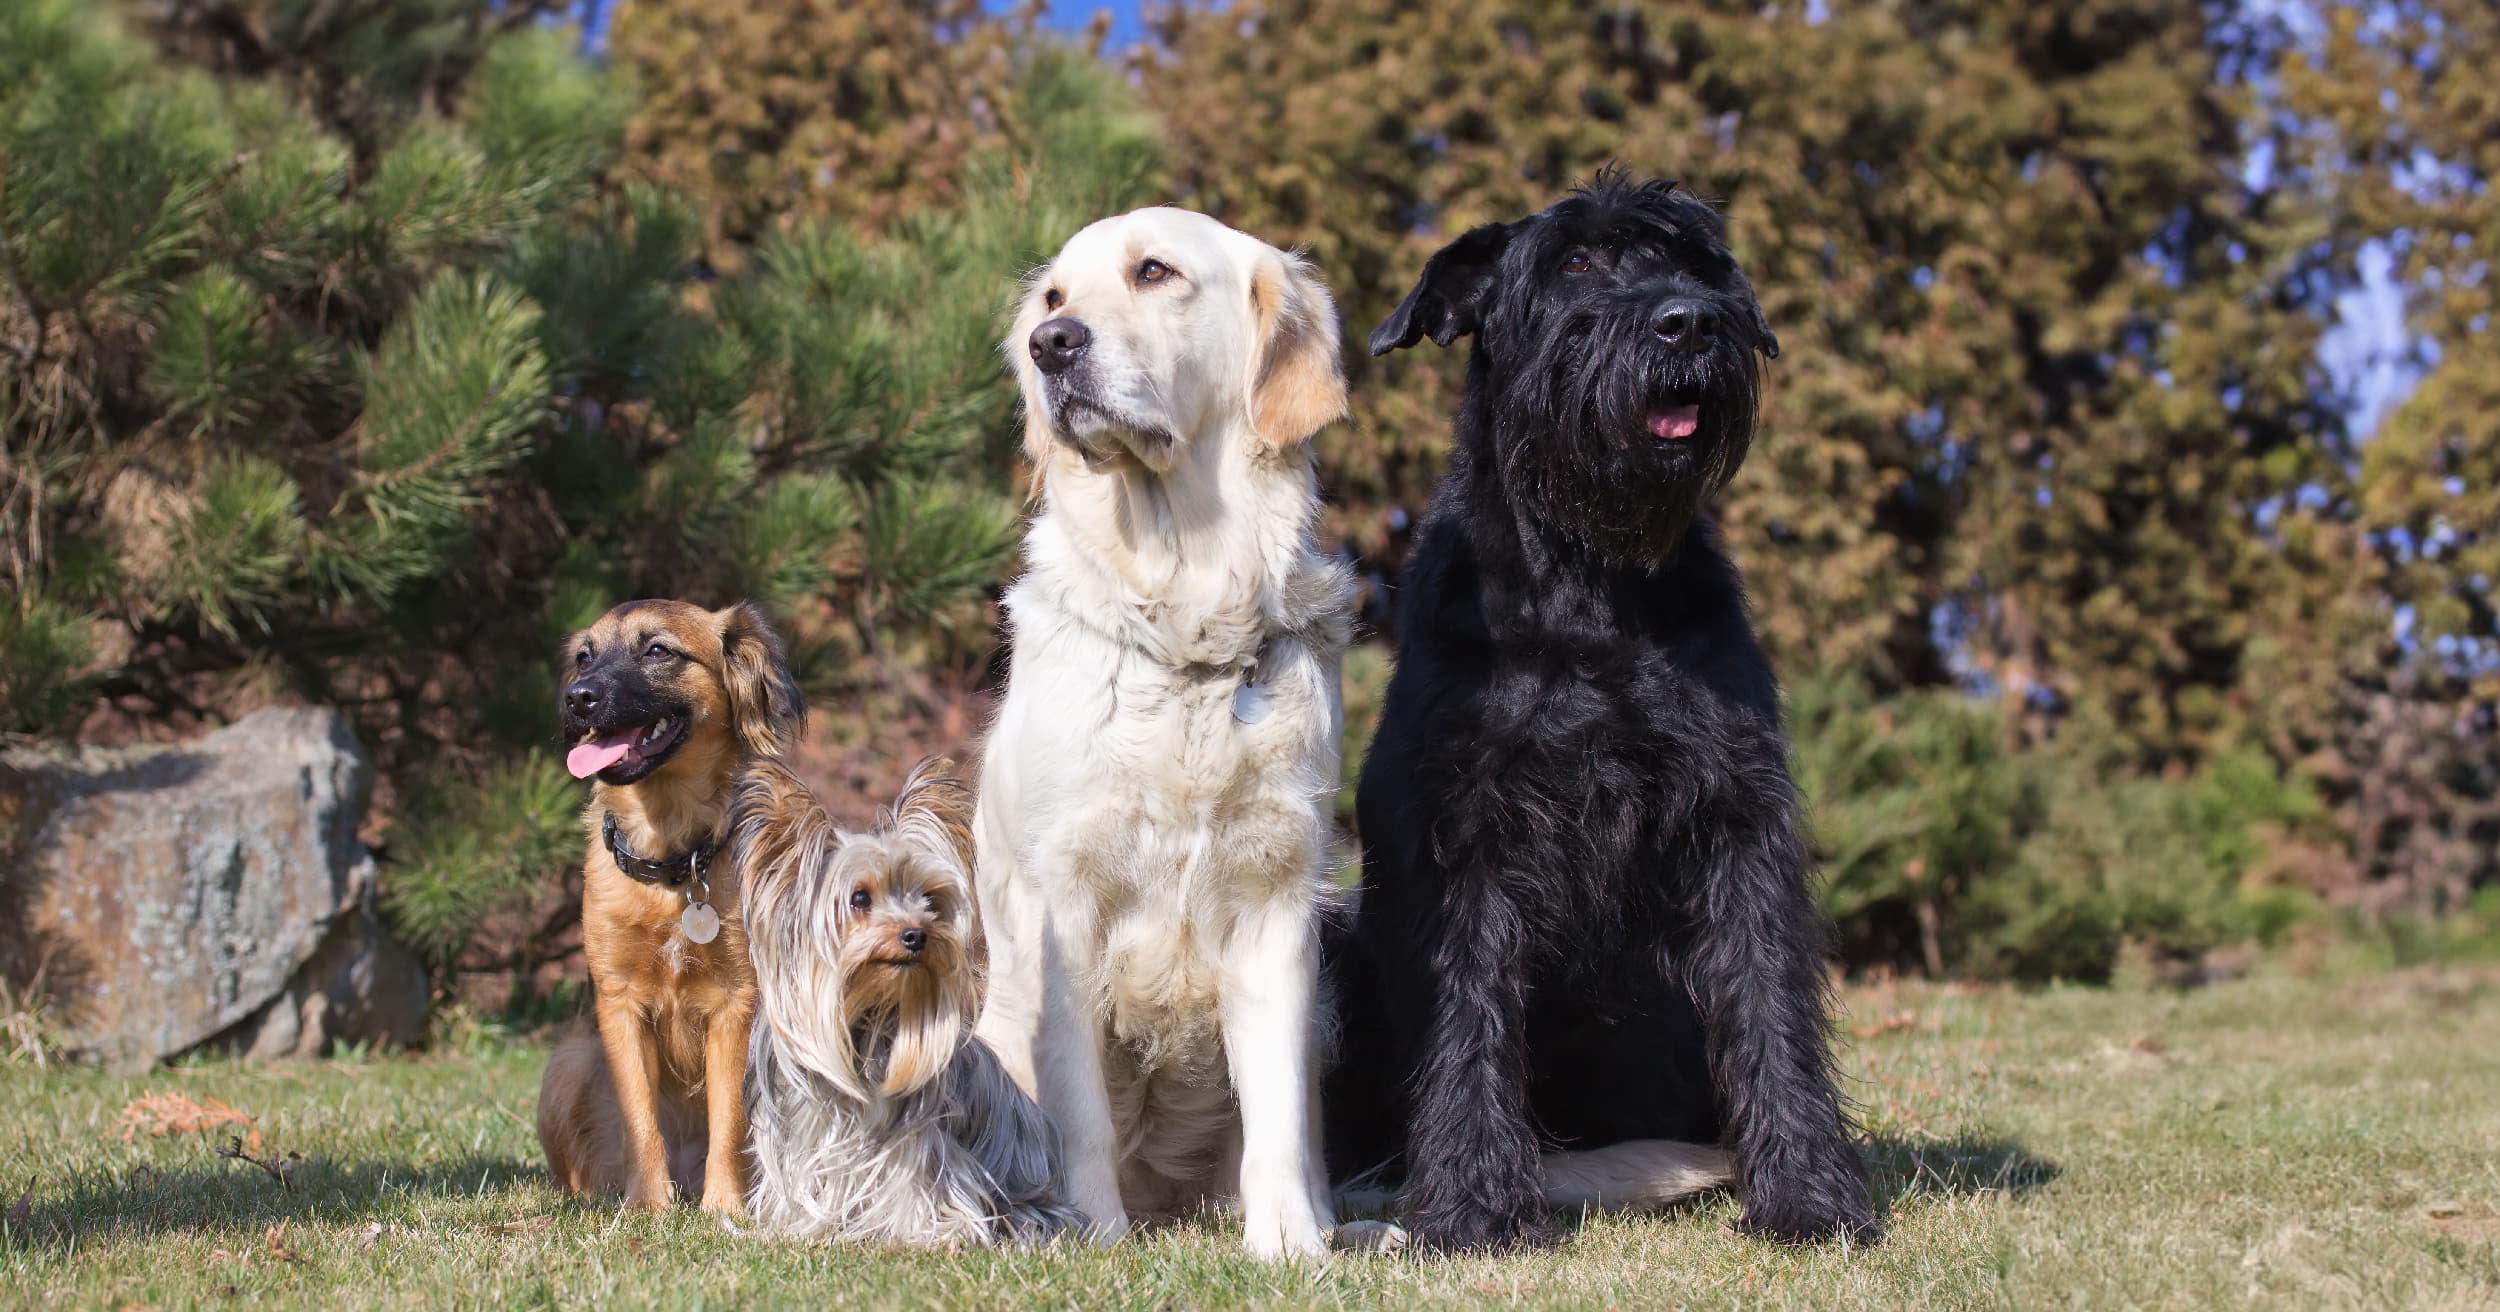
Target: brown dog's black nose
{"type": "Point", "coordinates": [913, 939]}
{"type": "Point", "coordinates": [1058, 343]}
{"type": "Point", "coordinates": [582, 698]}
{"type": "Point", "coordinates": [1685, 325]}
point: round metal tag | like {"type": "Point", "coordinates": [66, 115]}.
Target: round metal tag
{"type": "Point", "coordinates": [700, 924]}
{"type": "Point", "coordinates": [1250, 705]}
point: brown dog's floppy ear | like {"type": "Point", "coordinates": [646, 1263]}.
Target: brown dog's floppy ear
{"type": "Point", "coordinates": [1448, 300]}
{"type": "Point", "coordinates": [935, 808]}
{"type": "Point", "coordinates": [1297, 386]}
{"type": "Point", "coordinates": [766, 709]}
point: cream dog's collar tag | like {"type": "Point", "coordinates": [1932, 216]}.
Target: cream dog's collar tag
{"type": "Point", "coordinates": [1250, 701]}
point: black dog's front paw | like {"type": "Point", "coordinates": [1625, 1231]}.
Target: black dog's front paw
{"type": "Point", "coordinates": [1464, 1229]}
{"type": "Point", "coordinates": [1812, 1209]}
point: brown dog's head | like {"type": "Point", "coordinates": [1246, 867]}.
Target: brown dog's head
{"type": "Point", "coordinates": [651, 677]}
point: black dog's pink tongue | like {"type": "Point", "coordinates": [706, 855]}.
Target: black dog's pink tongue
{"type": "Point", "coordinates": [598, 754]}
{"type": "Point", "coordinates": [1676, 422]}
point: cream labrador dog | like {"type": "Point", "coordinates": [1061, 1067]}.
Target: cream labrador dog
{"type": "Point", "coordinates": [1153, 831]}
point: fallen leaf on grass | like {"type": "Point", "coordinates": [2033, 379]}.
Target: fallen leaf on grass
{"type": "Point", "coordinates": [2443, 1209]}
{"type": "Point", "coordinates": [23, 1210]}
{"type": "Point", "coordinates": [371, 1236]}
{"type": "Point", "coordinates": [1892, 1024]}
{"type": "Point", "coordinates": [161, 1114]}
{"type": "Point", "coordinates": [275, 1238]}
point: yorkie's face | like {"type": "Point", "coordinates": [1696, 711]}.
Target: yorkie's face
{"type": "Point", "coordinates": [865, 946]}
{"type": "Point", "coordinates": [903, 925]}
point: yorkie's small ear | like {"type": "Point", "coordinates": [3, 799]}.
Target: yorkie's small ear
{"type": "Point", "coordinates": [935, 808]}
{"type": "Point", "coordinates": [773, 817]}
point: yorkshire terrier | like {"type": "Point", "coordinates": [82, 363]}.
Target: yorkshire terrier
{"type": "Point", "coordinates": [876, 1114]}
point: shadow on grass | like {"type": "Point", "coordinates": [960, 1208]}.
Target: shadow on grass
{"type": "Point", "coordinates": [1906, 1170]}
{"type": "Point", "coordinates": [1902, 1171]}
{"type": "Point", "coordinates": [144, 1201]}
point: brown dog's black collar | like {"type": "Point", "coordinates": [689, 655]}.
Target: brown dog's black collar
{"type": "Point", "coordinates": [671, 873]}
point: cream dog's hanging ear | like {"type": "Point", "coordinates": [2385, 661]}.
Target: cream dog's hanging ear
{"type": "Point", "coordinates": [1297, 384]}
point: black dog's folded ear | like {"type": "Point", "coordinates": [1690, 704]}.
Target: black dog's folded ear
{"type": "Point", "coordinates": [1448, 301]}
{"type": "Point", "coordinates": [766, 709]}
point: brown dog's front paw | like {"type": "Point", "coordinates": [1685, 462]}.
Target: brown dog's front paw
{"type": "Point", "coordinates": [725, 1203]}
{"type": "Point", "coordinates": [647, 1196]}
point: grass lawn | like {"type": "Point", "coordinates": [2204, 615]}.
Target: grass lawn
{"type": "Point", "coordinates": [2273, 1142]}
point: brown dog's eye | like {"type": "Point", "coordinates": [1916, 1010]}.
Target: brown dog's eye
{"type": "Point", "coordinates": [1153, 271]}
{"type": "Point", "coordinates": [859, 898]}
{"type": "Point", "coordinates": [581, 659]}
{"type": "Point", "coordinates": [1052, 300]}
{"type": "Point", "coordinates": [657, 651]}
{"type": "Point", "coordinates": [1578, 262]}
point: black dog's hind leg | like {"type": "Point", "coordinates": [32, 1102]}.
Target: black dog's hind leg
{"type": "Point", "coordinates": [1472, 1175]}
{"type": "Point", "coordinates": [1754, 963]}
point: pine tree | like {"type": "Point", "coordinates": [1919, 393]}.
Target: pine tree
{"type": "Point", "coordinates": [312, 391]}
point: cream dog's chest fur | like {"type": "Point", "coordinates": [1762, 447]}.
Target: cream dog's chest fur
{"type": "Point", "coordinates": [1169, 806]}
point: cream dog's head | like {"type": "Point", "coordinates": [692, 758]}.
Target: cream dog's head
{"type": "Point", "coordinates": [1162, 328]}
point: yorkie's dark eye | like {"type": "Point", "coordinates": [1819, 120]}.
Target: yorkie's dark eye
{"type": "Point", "coordinates": [1578, 262]}
{"type": "Point", "coordinates": [1052, 300]}
{"type": "Point", "coordinates": [859, 898]}
{"type": "Point", "coordinates": [1153, 271]}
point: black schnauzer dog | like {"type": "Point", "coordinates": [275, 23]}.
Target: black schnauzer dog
{"type": "Point", "coordinates": [1585, 916]}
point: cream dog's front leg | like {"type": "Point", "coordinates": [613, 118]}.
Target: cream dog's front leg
{"type": "Point", "coordinates": [1068, 1070]}
{"type": "Point", "coordinates": [1270, 988]}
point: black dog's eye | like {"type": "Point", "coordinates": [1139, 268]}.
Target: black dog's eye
{"type": "Point", "coordinates": [657, 651]}
{"type": "Point", "coordinates": [1052, 300]}
{"type": "Point", "coordinates": [859, 898]}
{"type": "Point", "coordinates": [1578, 262]}
{"type": "Point", "coordinates": [581, 659]}
{"type": "Point", "coordinates": [1153, 271]}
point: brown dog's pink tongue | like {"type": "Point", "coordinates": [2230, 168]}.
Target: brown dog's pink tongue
{"type": "Point", "coordinates": [1676, 422]}
{"type": "Point", "coordinates": [597, 754]}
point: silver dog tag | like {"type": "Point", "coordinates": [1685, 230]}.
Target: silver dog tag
{"type": "Point", "coordinates": [700, 924]}
{"type": "Point", "coordinates": [1250, 704]}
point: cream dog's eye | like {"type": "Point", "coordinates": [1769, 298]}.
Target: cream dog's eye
{"type": "Point", "coordinates": [1052, 300]}
{"type": "Point", "coordinates": [859, 898]}
{"type": "Point", "coordinates": [1153, 271]}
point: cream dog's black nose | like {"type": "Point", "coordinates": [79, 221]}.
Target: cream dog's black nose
{"type": "Point", "coordinates": [1058, 343]}
{"type": "Point", "coordinates": [913, 939]}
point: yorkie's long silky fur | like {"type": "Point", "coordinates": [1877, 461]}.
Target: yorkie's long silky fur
{"type": "Point", "coordinates": [875, 1115]}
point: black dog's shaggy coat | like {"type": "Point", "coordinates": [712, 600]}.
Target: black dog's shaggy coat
{"type": "Point", "coordinates": [1585, 915]}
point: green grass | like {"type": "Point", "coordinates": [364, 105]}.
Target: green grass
{"type": "Point", "coordinates": [2273, 1142]}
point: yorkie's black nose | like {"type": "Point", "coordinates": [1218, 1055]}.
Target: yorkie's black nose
{"type": "Point", "coordinates": [1685, 325]}
{"type": "Point", "coordinates": [913, 939]}
{"type": "Point", "coordinates": [1058, 343]}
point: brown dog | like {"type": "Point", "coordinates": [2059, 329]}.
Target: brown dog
{"type": "Point", "coordinates": [665, 703]}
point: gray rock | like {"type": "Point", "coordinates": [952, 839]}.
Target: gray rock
{"type": "Point", "coordinates": [214, 892]}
